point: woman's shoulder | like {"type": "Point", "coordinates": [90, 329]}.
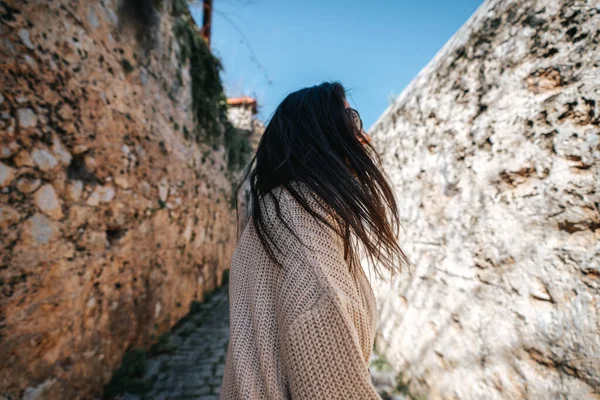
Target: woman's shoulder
{"type": "Point", "coordinates": [285, 190]}
{"type": "Point", "coordinates": [288, 197]}
{"type": "Point", "coordinates": [296, 191]}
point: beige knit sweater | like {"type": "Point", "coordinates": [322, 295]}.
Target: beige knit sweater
{"type": "Point", "coordinates": [304, 331]}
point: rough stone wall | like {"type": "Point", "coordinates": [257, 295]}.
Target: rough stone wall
{"type": "Point", "coordinates": [111, 222]}
{"type": "Point", "coordinates": [244, 118]}
{"type": "Point", "coordinates": [494, 152]}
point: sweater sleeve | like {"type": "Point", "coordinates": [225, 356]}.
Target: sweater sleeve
{"type": "Point", "coordinates": [321, 347]}
{"type": "Point", "coordinates": [324, 359]}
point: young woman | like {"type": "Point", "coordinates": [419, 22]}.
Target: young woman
{"type": "Point", "coordinates": [302, 312]}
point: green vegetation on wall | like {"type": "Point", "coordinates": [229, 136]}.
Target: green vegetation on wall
{"type": "Point", "coordinates": [208, 98]}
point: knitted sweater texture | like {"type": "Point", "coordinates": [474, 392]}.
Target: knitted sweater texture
{"type": "Point", "coordinates": [304, 330]}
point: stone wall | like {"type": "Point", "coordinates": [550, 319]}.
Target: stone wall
{"type": "Point", "coordinates": [494, 152]}
{"type": "Point", "coordinates": [243, 117]}
{"type": "Point", "coordinates": [111, 221]}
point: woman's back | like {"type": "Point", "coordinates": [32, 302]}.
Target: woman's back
{"type": "Point", "coordinates": [302, 312]}
{"type": "Point", "coordinates": [302, 330]}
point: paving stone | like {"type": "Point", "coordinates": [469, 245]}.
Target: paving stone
{"type": "Point", "coordinates": [220, 370]}
{"type": "Point", "coordinates": [129, 396]}
{"type": "Point", "coordinates": [195, 368]}
{"type": "Point", "coordinates": [188, 372]}
{"type": "Point", "coordinates": [215, 381]}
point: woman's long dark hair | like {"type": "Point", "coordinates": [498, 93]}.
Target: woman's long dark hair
{"type": "Point", "coordinates": [311, 139]}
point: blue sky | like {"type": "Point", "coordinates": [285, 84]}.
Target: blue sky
{"type": "Point", "coordinates": [374, 47]}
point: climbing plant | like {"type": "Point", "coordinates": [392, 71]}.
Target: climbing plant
{"type": "Point", "coordinates": [208, 99]}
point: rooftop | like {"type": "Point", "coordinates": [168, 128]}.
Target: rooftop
{"type": "Point", "coordinates": [243, 101]}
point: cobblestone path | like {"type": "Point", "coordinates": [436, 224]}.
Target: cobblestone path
{"type": "Point", "coordinates": [192, 364]}
{"type": "Point", "coordinates": [194, 359]}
